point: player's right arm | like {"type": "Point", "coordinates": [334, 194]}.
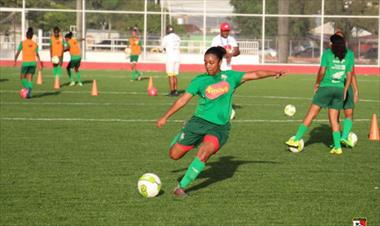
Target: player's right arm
{"type": "Point", "coordinates": [178, 104]}
{"type": "Point", "coordinates": [354, 84]}
{"type": "Point", "coordinates": [17, 53]}
{"type": "Point", "coordinates": [321, 73]}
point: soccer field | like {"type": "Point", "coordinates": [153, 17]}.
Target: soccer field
{"type": "Point", "coordinates": [69, 158]}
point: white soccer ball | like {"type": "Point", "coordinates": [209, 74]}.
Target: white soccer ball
{"type": "Point", "coordinates": [127, 51]}
{"type": "Point", "coordinates": [55, 60]}
{"type": "Point", "coordinates": [295, 150]}
{"type": "Point", "coordinates": [290, 110]}
{"type": "Point", "coordinates": [233, 114]}
{"type": "Point", "coordinates": [149, 185]}
{"type": "Point", "coordinates": [353, 138]}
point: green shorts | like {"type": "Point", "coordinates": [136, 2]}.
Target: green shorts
{"type": "Point", "coordinates": [134, 58]}
{"type": "Point", "coordinates": [74, 63]}
{"type": "Point", "coordinates": [329, 97]}
{"type": "Point", "coordinates": [196, 129]}
{"type": "Point", "coordinates": [28, 70]}
{"type": "Point", "coordinates": [349, 102]}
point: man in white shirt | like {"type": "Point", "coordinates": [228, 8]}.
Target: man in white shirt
{"type": "Point", "coordinates": [229, 43]}
{"type": "Point", "coordinates": [171, 44]}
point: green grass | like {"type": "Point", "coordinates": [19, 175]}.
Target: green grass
{"type": "Point", "coordinates": [68, 158]}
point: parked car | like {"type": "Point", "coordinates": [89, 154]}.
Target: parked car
{"type": "Point", "coordinates": [308, 52]}
{"type": "Point", "coordinates": [371, 53]}
{"type": "Point", "coordinates": [109, 44]}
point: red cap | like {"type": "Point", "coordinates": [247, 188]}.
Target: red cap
{"type": "Point", "coordinates": [225, 26]}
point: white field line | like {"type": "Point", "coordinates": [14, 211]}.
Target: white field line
{"type": "Point", "coordinates": [144, 93]}
{"type": "Point", "coordinates": [114, 104]}
{"type": "Point", "coordinates": [154, 120]}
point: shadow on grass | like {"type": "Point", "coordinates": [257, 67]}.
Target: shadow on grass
{"type": "Point", "coordinates": [321, 134]}
{"type": "Point", "coordinates": [221, 170]}
{"type": "Point", "coordinates": [4, 80]}
{"type": "Point", "coordinates": [55, 93]}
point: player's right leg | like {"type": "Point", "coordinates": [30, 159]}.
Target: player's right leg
{"type": "Point", "coordinates": [333, 118]}
{"type": "Point", "coordinates": [68, 68]}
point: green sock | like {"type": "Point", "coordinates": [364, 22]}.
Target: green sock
{"type": "Point", "coordinates": [54, 71]}
{"type": "Point", "coordinates": [70, 77]}
{"type": "Point", "coordinates": [24, 83]}
{"type": "Point", "coordinates": [336, 138]}
{"type": "Point", "coordinates": [192, 172]}
{"type": "Point", "coordinates": [30, 84]}
{"type": "Point", "coordinates": [59, 70]}
{"type": "Point", "coordinates": [347, 126]}
{"type": "Point", "coordinates": [300, 132]}
{"type": "Point", "coordinates": [78, 76]}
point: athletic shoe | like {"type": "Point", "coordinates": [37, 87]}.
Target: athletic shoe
{"type": "Point", "coordinates": [29, 94]}
{"type": "Point", "coordinates": [346, 143]}
{"type": "Point", "coordinates": [80, 83]}
{"type": "Point", "coordinates": [179, 192]}
{"type": "Point", "coordinates": [336, 151]}
{"type": "Point", "coordinates": [295, 144]}
{"type": "Point", "coordinates": [72, 83]}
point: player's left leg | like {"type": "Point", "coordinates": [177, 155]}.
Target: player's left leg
{"type": "Point", "coordinates": [208, 147]}
{"type": "Point", "coordinates": [29, 78]}
{"type": "Point", "coordinates": [333, 118]}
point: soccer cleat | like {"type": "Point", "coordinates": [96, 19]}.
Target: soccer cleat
{"type": "Point", "coordinates": [179, 192]}
{"type": "Point", "coordinates": [336, 151]}
{"type": "Point", "coordinates": [29, 94]}
{"type": "Point", "coordinates": [72, 83]}
{"type": "Point", "coordinates": [80, 83]}
{"type": "Point", "coordinates": [347, 143]}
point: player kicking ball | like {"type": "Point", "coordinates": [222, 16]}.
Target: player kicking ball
{"type": "Point", "coordinates": [209, 127]}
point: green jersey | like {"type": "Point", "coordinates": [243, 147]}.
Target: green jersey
{"type": "Point", "coordinates": [215, 95]}
{"type": "Point", "coordinates": [336, 70]}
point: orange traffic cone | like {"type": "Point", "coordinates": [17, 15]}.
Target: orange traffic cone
{"type": "Point", "coordinates": [150, 84]}
{"type": "Point", "coordinates": [39, 77]}
{"type": "Point", "coordinates": [57, 83]}
{"type": "Point", "coordinates": [94, 91]}
{"type": "Point", "coordinates": [374, 130]}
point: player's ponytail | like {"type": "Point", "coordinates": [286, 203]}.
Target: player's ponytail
{"type": "Point", "coordinates": [69, 35]}
{"type": "Point", "coordinates": [218, 51]}
{"type": "Point", "coordinates": [29, 33]}
{"type": "Point", "coordinates": [338, 46]}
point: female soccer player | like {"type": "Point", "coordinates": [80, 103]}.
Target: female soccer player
{"type": "Point", "coordinates": [29, 55]}
{"type": "Point", "coordinates": [72, 45]}
{"type": "Point", "coordinates": [209, 127]}
{"type": "Point", "coordinates": [56, 50]}
{"type": "Point", "coordinates": [333, 80]}
{"type": "Point", "coordinates": [135, 44]}
{"type": "Point", "coordinates": [349, 104]}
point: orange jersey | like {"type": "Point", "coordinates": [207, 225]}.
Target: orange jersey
{"type": "Point", "coordinates": [74, 47]}
{"type": "Point", "coordinates": [56, 45]}
{"type": "Point", "coordinates": [29, 50]}
{"type": "Point", "coordinates": [135, 45]}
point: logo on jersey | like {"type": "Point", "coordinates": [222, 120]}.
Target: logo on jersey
{"type": "Point", "coordinates": [216, 90]}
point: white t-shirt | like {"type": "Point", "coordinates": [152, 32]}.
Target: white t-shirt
{"type": "Point", "coordinates": [228, 43]}
{"type": "Point", "coordinates": [171, 43]}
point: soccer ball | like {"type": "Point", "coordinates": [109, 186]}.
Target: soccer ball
{"type": "Point", "coordinates": [295, 150]}
{"type": "Point", "coordinates": [353, 138]}
{"type": "Point", "coordinates": [127, 51]}
{"type": "Point", "coordinates": [152, 92]}
{"type": "Point", "coordinates": [233, 114]}
{"type": "Point", "coordinates": [149, 185]}
{"type": "Point", "coordinates": [55, 60]}
{"type": "Point", "coordinates": [23, 93]}
{"type": "Point", "coordinates": [290, 110]}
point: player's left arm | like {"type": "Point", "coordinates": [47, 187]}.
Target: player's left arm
{"type": "Point", "coordinates": [236, 51]}
{"type": "Point", "coordinates": [260, 74]}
